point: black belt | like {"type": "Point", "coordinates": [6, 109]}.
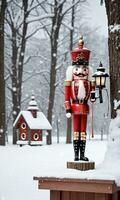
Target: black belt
{"type": "Point", "coordinates": [81, 101]}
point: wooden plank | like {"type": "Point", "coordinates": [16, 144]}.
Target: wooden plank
{"type": "Point", "coordinates": [54, 195]}
{"type": "Point", "coordinates": [75, 180]}
{"type": "Point", "coordinates": [83, 166]}
{"type": "Point", "coordinates": [77, 185]}
{"type": "Point", "coordinates": [77, 195]}
{"type": "Point", "coordinates": [99, 196]}
{"type": "Point", "coordinates": [65, 195]}
{"type": "Point", "coordinates": [89, 196]}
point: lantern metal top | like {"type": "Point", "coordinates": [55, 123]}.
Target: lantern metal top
{"type": "Point", "coordinates": [100, 71]}
{"type": "Point", "coordinates": [101, 68]}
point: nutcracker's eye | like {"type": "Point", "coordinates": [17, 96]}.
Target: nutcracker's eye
{"type": "Point", "coordinates": [76, 70]}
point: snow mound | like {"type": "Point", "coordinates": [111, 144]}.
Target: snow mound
{"type": "Point", "coordinates": [111, 161]}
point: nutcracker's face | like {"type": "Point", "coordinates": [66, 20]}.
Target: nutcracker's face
{"type": "Point", "coordinates": [81, 71]}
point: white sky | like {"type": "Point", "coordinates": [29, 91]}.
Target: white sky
{"type": "Point", "coordinates": [98, 16]}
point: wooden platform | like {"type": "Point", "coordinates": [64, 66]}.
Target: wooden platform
{"type": "Point", "coordinates": [82, 189]}
{"type": "Point", "coordinates": [83, 166]}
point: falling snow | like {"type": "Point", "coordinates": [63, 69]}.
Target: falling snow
{"type": "Point", "coordinates": [14, 89]}
{"type": "Point", "coordinates": [1, 130]}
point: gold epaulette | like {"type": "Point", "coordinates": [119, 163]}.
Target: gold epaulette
{"type": "Point", "coordinates": [67, 83]}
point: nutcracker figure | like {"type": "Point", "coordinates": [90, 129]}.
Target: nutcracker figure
{"type": "Point", "coordinates": [79, 88]}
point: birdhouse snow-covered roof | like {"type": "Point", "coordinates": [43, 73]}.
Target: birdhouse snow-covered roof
{"type": "Point", "coordinates": [40, 122]}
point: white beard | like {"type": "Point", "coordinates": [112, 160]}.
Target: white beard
{"type": "Point", "coordinates": [81, 90]}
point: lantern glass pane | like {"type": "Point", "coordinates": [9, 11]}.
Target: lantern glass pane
{"type": "Point", "coordinates": [98, 81]}
{"type": "Point", "coordinates": [103, 81]}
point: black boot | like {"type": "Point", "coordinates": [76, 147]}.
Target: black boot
{"type": "Point", "coordinates": [76, 149]}
{"type": "Point", "coordinates": [82, 150]}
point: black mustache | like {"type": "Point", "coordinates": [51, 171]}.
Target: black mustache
{"type": "Point", "coordinates": [80, 74]}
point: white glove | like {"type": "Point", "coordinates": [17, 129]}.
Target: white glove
{"type": "Point", "coordinates": [93, 100]}
{"type": "Point", "coordinates": [68, 115]}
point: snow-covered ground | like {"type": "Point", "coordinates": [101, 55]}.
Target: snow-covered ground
{"type": "Point", "coordinates": [19, 164]}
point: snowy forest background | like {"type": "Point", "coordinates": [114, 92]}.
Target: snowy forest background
{"type": "Point", "coordinates": [38, 37]}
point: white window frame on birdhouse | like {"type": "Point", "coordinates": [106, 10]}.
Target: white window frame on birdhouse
{"type": "Point", "coordinates": [23, 136]}
{"type": "Point", "coordinates": [34, 136]}
{"type": "Point", "coordinates": [23, 125]}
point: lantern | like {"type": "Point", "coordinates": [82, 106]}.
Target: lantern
{"type": "Point", "coordinates": [100, 79]}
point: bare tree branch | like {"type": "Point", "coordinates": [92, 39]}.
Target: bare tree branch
{"type": "Point", "coordinates": [40, 18]}
{"type": "Point", "coordinates": [45, 28]}
{"type": "Point", "coordinates": [34, 7]}
{"type": "Point", "coordinates": [17, 4]}
{"type": "Point", "coordinates": [34, 32]}
{"type": "Point", "coordinates": [37, 56]}
{"type": "Point", "coordinates": [9, 88]}
{"type": "Point", "coordinates": [10, 17]}
{"type": "Point", "coordinates": [69, 7]}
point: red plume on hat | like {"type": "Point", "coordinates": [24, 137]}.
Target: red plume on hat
{"type": "Point", "coordinates": [80, 55]}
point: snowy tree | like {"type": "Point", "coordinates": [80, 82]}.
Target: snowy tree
{"type": "Point", "coordinates": [19, 17]}
{"type": "Point", "coordinates": [2, 80]}
{"type": "Point", "coordinates": [113, 13]}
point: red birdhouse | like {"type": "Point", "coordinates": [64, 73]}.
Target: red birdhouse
{"type": "Point", "coordinates": [30, 125]}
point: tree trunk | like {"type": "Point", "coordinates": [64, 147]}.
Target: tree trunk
{"type": "Point", "coordinates": [69, 121]}
{"type": "Point", "coordinates": [18, 71]}
{"type": "Point", "coordinates": [56, 23]}
{"type": "Point", "coordinates": [2, 81]}
{"type": "Point", "coordinates": [15, 108]}
{"type": "Point", "coordinates": [113, 14]}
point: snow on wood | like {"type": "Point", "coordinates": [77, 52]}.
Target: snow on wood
{"type": "Point", "coordinates": [21, 142]}
{"type": "Point", "coordinates": [116, 104]}
{"type": "Point", "coordinates": [36, 143]}
{"type": "Point", "coordinates": [115, 27]}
